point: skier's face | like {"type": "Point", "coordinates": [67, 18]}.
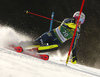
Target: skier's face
{"type": "Point", "coordinates": [78, 23]}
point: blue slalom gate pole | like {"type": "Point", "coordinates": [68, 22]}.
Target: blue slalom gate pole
{"type": "Point", "coordinates": [51, 21]}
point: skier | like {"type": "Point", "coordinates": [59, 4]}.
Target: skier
{"type": "Point", "coordinates": [53, 39]}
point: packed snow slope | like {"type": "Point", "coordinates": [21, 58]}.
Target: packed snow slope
{"type": "Point", "coordinates": [13, 64]}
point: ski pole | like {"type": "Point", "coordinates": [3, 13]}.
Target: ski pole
{"type": "Point", "coordinates": [74, 32]}
{"type": "Point", "coordinates": [51, 21]}
{"type": "Point", "coordinates": [43, 17]}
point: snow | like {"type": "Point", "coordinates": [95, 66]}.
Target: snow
{"type": "Point", "coordinates": [13, 64]}
{"type": "Point", "coordinates": [9, 36]}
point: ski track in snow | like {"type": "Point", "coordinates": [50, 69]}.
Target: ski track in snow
{"type": "Point", "coordinates": [13, 64]}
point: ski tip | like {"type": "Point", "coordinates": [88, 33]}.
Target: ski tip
{"type": "Point", "coordinates": [18, 49]}
{"type": "Point", "coordinates": [44, 56]}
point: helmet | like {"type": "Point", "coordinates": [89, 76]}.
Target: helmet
{"type": "Point", "coordinates": [82, 16]}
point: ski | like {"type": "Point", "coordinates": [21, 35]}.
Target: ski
{"type": "Point", "coordinates": [31, 52]}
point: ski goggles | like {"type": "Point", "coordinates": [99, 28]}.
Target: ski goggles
{"type": "Point", "coordinates": [82, 20]}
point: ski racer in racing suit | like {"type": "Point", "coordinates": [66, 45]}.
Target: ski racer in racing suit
{"type": "Point", "coordinates": [53, 39]}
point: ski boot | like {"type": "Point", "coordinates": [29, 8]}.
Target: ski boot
{"type": "Point", "coordinates": [74, 60]}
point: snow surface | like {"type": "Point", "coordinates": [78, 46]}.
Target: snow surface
{"type": "Point", "coordinates": [13, 64]}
